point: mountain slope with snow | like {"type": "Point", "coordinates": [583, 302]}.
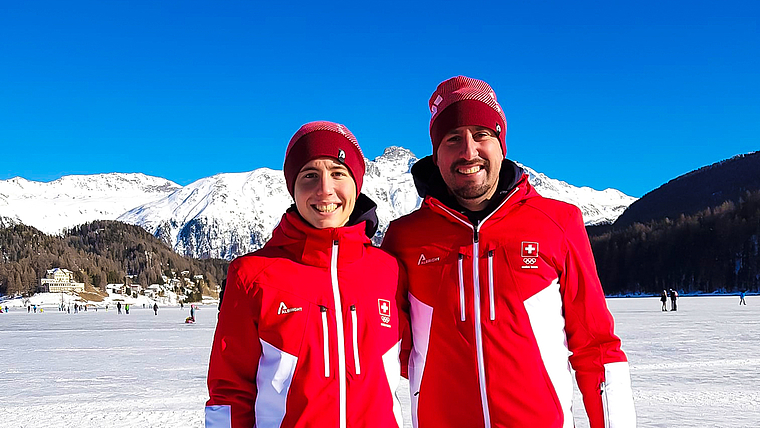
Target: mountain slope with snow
{"type": "Point", "coordinates": [230, 214]}
{"type": "Point", "coordinates": [76, 199]}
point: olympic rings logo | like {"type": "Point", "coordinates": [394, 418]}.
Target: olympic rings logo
{"type": "Point", "coordinates": [529, 260]}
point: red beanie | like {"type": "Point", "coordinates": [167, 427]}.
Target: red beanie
{"type": "Point", "coordinates": [323, 139]}
{"type": "Point", "coordinates": [463, 101]}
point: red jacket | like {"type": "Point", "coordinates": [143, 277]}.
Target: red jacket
{"type": "Point", "coordinates": [500, 311]}
{"type": "Point", "coordinates": [309, 333]}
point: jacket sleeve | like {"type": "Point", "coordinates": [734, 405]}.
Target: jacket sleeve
{"type": "Point", "coordinates": [402, 301]}
{"type": "Point", "coordinates": [601, 367]}
{"type": "Point", "coordinates": [234, 356]}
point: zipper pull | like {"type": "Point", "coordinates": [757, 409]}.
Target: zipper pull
{"type": "Point", "coordinates": [353, 308]}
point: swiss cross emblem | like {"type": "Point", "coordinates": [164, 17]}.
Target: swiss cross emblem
{"type": "Point", "coordinates": [530, 249]}
{"type": "Point", "coordinates": [529, 255]}
{"type": "Point", "coordinates": [384, 306]}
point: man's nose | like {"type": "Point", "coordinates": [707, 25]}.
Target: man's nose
{"type": "Point", "coordinates": [469, 146]}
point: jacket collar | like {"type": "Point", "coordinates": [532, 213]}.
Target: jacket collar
{"type": "Point", "coordinates": [312, 246]}
{"type": "Point", "coordinates": [431, 187]}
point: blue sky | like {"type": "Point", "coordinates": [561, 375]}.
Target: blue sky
{"type": "Point", "coordinates": [602, 94]}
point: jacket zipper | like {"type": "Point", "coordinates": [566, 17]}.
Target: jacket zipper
{"type": "Point", "coordinates": [461, 288]}
{"type": "Point", "coordinates": [490, 285]}
{"type": "Point", "coordinates": [478, 325]}
{"type": "Point", "coordinates": [355, 329]}
{"type": "Point", "coordinates": [476, 303]}
{"type": "Point", "coordinates": [341, 338]}
{"type": "Point", "coordinates": [326, 343]}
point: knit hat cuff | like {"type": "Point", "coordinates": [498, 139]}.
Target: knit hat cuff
{"type": "Point", "coordinates": [323, 143]}
{"type": "Point", "coordinates": [467, 112]}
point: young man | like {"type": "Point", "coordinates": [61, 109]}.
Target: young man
{"type": "Point", "coordinates": [502, 284]}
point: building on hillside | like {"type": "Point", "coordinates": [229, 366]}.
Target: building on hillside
{"type": "Point", "coordinates": [116, 288]}
{"type": "Point", "coordinates": [153, 290]}
{"type": "Point", "coordinates": [134, 288]}
{"type": "Point", "coordinates": [60, 281]}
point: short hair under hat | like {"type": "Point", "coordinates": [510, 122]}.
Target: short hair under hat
{"type": "Point", "coordinates": [464, 101]}
{"type": "Point", "coordinates": [323, 139]}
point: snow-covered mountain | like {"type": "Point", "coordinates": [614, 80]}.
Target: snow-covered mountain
{"type": "Point", "coordinates": [76, 199]}
{"type": "Point", "coordinates": [227, 215]}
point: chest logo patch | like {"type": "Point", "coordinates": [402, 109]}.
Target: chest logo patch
{"type": "Point", "coordinates": [529, 254]}
{"type": "Point", "coordinates": [423, 260]}
{"type": "Point", "coordinates": [286, 310]}
{"type": "Point", "coordinates": [384, 306]}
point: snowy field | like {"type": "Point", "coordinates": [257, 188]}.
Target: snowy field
{"type": "Point", "coordinates": [698, 367]}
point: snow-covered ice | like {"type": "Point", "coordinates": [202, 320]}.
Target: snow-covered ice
{"type": "Point", "coordinates": [698, 367]}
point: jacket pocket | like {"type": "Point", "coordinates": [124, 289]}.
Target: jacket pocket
{"type": "Point", "coordinates": [461, 287]}
{"type": "Point", "coordinates": [491, 302]}
{"type": "Point", "coordinates": [325, 340]}
{"type": "Point", "coordinates": [355, 336]}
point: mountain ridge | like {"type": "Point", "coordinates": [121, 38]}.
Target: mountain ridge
{"type": "Point", "coordinates": [708, 186]}
{"type": "Point", "coordinates": [229, 214]}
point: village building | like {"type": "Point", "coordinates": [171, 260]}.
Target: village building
{"type": "Point", "coordinates": [60, 281]}
{"type": "Point", "coordinates": [116, 288]}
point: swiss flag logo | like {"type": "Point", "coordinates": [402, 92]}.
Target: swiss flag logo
{"type": "Point", "coordinates": [529, 249]}
{"type": "Point", "coordinates": [384, 306]}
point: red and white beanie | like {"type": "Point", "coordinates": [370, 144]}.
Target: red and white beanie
{"type": "Point", "coordinates": [463, 101]}
{"type": "Point", "coordinates": [323, 139]}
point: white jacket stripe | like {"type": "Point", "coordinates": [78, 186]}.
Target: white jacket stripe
{"type": "Point", "coordinates": [218, 416]}
{"type": "Point", "coordinates": [545, 313]}
{"type": "Point", "coordinates": [392, 365]}
{"type": "Point", "coordinates": [341, 339]}
{"type": "Point", "coordinates": [618, 397]}
{"type": "Point", "coordinates": [422, 315]}
{"type": "Point", "coordinates": [273, 380]}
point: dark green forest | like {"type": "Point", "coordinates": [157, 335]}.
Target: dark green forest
{"type": "Point", "coordinates": [99, 253]}
{"type": "Point", "coordinates": [715, 249]}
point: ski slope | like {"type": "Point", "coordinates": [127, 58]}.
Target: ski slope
{"type": "Point", "coordinates": [698, 367]}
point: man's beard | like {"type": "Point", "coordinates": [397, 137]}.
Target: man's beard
{"type": "Point", "coordinates": [472, 191]}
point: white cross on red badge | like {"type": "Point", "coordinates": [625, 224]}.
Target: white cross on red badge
{"type": "Point", "coordinates": [529, 249]}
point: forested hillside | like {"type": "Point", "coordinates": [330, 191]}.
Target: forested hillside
{"type": "Point", "coordinates": [714, 249]}
{"type": "Point", "coordinates": [690, 193]}
{"type": "Point", "coordinates": [99, 253]}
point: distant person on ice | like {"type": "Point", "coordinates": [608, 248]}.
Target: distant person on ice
{"type": "Point", "coordinates": [118, 307]}
{"type": "Point", "coordinates": [310, 325]}
{"type": "Point", "coordinates": [664, 300]}
{"type": "Point", "coordinates": [126, 308]}
{"type": "Point", "coordinates": [741, 298]}
{"type": "Point", "coordinates": [673, 299]}
{"type": "Point", "coordinates": [155, 308]}
{"type": "Point", "coordinates": [505, 300]}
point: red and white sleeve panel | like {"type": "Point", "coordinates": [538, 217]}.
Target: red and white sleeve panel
{"type": "Point", "coordinates": [422, 315]}
{"type": "Point", "coordinates": [548, 323]}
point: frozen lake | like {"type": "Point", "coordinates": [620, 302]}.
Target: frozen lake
{"type": "Point", "coordinates": [698, 367]}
